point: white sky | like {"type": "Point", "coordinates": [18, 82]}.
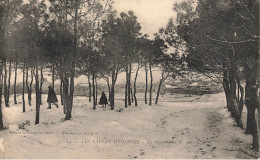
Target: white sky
{"type": "Point", "coordinates": [151, 14]}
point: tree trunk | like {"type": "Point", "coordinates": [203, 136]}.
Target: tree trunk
{"type": "Point", "coordinates": [136, 74]}
{"type": "Point", "coordinates": [112, 94]}
{"type": "Point", "coordinates": [151, 85]}
{"type": "Point", "coordinates": [41, 83]}
{"type": "Point", "coordinates": [240, 96]}
{"type": "Point", "coordinates": [65, 80]}
{"type": "Point", "coordinates": [30, 88]}
{"type": "Point", "coordinates": [126, 85]}
{"type": "Point", "coordinates": [2, 78]}
{"type": "Point", "coordinates": [53, 75]}
{"type": "Point", "coordinates": [232, 92]}
{"type": "Point", "coordinates": [23, 87]}
{"type": "Point", "coordinates": [251, 104]}
{"type": "Point", "coordinates": [146, 83]}
{"type": "Point", "coordinates": [228, 80]}
{"type": "Point", "coordinates": [109, 89]}
{"type": "Point", "coordinates": [70, 103]}
{"type": "Point", "coordinates": [15, 78]}
{"type": "Point", "coordinates": [1, 113]}
{"type": "Point", "coordinates": [61, 92]}
{"type": "Point", "coordinates": [61, 84]}
{"type": "Point", "coordinates": [9, 82]}
{"type": "Point", "coordinates": [26, 82]}
{"type": "Point", "coordinates": [5, 85]}
{"type": "Point", "coordinates": [96, 89]}
{"type": "Point", "coordinates": [65, 93]}
{"type": "Point", "coordinates": [72, 75]}
{"type": "Point", "coordinates": [226, 85]}
{"type": "Point", "coordinates": [1, 86]}
{"type": "Point", "coordinates": [158, 91]}
{"type": "Point", "coordinates": [112, 97]}
{"type": "Point", "coordinates": [37, 92]}
{"type": "Point", "coordinates": [129, 84]}
{"type": "Point", "coordinates": [89, 88]}
{"type": "Point", "coordinates": [132, 97]}
{"type": "Point", "coordinates": [94, 92]}
{"type": "Point", "coordinates": [251, 100]}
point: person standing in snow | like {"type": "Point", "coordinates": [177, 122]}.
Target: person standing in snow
{"type": "Point", "coordinates": [52, 98]}
{"type": "Point", "coordinates": [103, 100]}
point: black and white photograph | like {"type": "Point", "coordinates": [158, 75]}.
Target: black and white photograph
{"type": "Point", "coordinates": [129, 79]}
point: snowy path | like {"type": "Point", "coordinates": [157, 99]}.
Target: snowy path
{"type": "Point", "coordinates": [198, 129]}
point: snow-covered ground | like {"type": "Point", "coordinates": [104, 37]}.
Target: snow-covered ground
{"type": "Point", "coordinates": [178, 127]}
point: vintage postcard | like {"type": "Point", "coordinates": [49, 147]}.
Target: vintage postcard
{"type": "Point", "coordinates": [129, 79]}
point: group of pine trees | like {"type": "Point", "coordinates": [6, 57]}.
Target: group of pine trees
{"type": "Point", "coordinates": [222, 42]}
{"type": "Point", "coordinates": [71, 38]}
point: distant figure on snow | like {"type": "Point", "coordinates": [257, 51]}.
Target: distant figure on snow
{"type": "Point", "coordinates": [103, 100]}
{"type": "Point", "coordinates": [52, 98]}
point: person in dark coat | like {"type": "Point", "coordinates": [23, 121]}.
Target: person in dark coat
{"type": "Point", "coordinates": [103, 100]}
{"type": "Point", "coordinates": [52, 98]}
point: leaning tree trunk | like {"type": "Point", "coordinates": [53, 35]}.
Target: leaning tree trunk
{"type": "Point", "coordinates": [89, 88]}
{"type": "Point", "coordinates": [15, 78]}
{"type": "Point", "coordinates": [9, 82]}
{"type": "Point", "coordinates": [146, 83]}
{"type": "Point", "coordinates": [136, 74]}
{"type": "Point", "coordinates": [23, 87]}
{"type": "Point", "coordinates": [151, 85]}
{"type": "Point", "coordinates": [1, 86]}
{"type": "Point", "coordinates": [158, 91]}
{"type": "Point", "coordinates": [5, 85]}
{"type": "Point", "coordinates": [94, 92]}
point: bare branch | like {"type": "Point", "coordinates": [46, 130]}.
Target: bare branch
{"type": "Point", "coordinates": [241, 2]}
{"type": "Point", "coordinates": [231, 42]}
{"type": "Point", "coordinates": [254, 36]}
{"type": "Point", "coordinates": [219, 54]}
{"type": "Point", "coordinates": [211, 77]}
